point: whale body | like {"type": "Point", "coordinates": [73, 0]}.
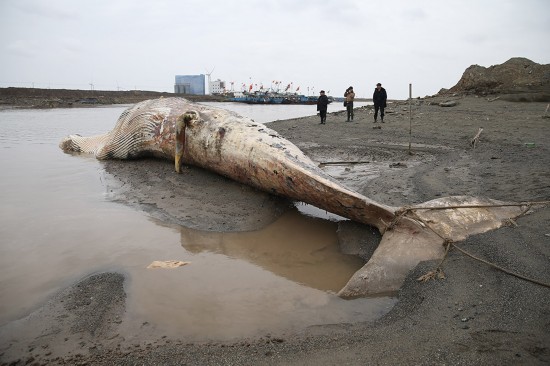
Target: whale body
{"type": "Point", "coordinates": [251, 153]}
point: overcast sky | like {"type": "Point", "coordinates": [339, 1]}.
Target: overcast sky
{"type": "Point", "coordinates": [315, 44]}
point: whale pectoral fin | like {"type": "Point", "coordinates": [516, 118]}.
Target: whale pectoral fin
{"type": "Point", "coordinates": [180, 141]}
{"type": "Point", "coordinates": [182, 122]}
{"type": "Point", "coordinates": [191, 117]}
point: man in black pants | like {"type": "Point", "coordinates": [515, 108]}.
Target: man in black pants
{"type": "Point", "coordinates": [322, 103]}
{"type": "Point", "coordinates": [379, 98]}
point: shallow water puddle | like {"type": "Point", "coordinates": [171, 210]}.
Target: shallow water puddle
{"type": "Point", "coordinates": [278, 279]}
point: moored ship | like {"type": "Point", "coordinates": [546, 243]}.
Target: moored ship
{"type": "Point", "coordinates": [274, 98]}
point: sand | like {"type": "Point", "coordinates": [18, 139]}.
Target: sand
{"type": "Point", "coordinates": [477, 314]}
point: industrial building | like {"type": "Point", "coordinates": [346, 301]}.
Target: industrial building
{"type": "Point", "coordinates": [190, 84]}
{"type": "Point", "coordinates": [195, 84]}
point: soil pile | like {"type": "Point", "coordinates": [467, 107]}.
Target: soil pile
{"type": "Point", "coordinates": [518, 79]}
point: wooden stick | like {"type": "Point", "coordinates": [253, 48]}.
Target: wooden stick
{"type": "Point", "coordinates": [410, 118]}
{"type": "Point", "coordinates": [476, 138]}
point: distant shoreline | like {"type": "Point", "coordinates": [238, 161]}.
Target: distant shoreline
{"type": "Point", "coordinates": [68, 98]}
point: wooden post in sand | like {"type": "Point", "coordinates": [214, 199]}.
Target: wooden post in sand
{"type": "Point", "coordinates": [475, 140]}
{"type": "Point", "coordinates": [410, 118]}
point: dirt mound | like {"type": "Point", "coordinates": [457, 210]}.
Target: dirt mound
{"type": "Point", "coordinates": [518, 79]}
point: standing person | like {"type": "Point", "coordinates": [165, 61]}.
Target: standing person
{"type": "Point", "coordinates": [379, 98]}
{"type": "Point", "coordinates": [350, 96]}
{"type": "Point", "coordinates": [322, 103]}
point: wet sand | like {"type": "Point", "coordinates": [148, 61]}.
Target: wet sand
{"type": "Point", "coordinates": [475, 315]}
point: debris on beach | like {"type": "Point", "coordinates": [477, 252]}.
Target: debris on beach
{"type": "Point", "coordinates": [167, 264]}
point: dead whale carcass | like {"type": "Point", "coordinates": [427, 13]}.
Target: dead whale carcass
{"type": "Point", "coordinates": [251, 153]}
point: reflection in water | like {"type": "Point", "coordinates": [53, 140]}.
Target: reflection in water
{"type": "Point", "coordinates": [275, 280]}
{"type": "Point", "coordinates": [302, 249]}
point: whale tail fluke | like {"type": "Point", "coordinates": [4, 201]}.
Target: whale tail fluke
{"type": "Point", "coordinates": [420, 233]}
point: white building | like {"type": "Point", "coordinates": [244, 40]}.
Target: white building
{"type": "Point", "coordinates": [217, 87]}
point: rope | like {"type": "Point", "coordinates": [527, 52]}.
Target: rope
{"type": "Point", "coordinates": [438, 271]}
{"type": "Point", "coordinates": [500, 268]}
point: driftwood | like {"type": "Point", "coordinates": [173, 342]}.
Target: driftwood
{"type": "Point", "coordinates": [475, 140]}
{"type": "Point", "coordinates": [167, 264]}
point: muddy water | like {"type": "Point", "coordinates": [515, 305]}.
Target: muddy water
{"type": "Point", "coordinates": [59, 225]}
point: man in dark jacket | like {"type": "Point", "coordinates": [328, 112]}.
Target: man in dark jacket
{"type": "Point", "coordinates": [322, 103]}
{"type": "Point", "coordinates": [379, 98]}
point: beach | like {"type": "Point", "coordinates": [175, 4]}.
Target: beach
{"type": "Point", "coordinates": [477, 313]}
